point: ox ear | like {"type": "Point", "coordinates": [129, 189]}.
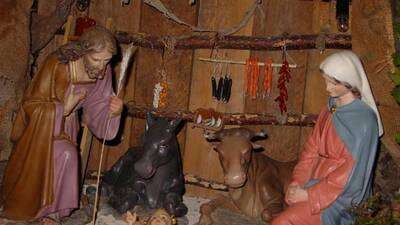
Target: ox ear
{"type": "Point", "coordinates": [256, 146]}
{"type": "Point", "coordinates": [212, 136]}
{"type": "Point", "coordinates": [174, 124]}
{"type": "Point", "coordinates": [258, 136]}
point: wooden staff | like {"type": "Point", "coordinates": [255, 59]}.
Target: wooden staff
{"type": "Point", "coordinates": [122, 78]}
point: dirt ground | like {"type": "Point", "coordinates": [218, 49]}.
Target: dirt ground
{"type": "Point", "coordinates": [108, 216]}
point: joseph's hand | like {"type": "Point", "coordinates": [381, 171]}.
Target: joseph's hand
{"type": "Point", "coordinates": [72, 100]}
{"type": "Point", "coordinates": [115, 105]}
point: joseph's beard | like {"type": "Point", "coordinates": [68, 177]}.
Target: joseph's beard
{"type": "Point", "coordinates": [95, 73]}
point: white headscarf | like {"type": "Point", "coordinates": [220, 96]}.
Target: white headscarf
{"type": "Point", "coordinates": [347, 67]}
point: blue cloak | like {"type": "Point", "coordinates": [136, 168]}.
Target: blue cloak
{"type": "Point", "coordinates": [357, 126]}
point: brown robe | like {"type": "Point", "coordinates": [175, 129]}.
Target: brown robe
{"type": "Point", "coordinates": [28, 179]}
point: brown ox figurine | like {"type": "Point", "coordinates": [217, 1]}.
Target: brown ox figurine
{"type": "Point", "coordinates": [256, 182]}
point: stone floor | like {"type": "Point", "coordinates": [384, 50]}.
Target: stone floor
{"type": "Point", "coordinates": [108, 216]}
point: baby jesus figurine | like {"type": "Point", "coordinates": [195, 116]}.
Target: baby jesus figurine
{"type": "Point", "coordinates": [159, 217]}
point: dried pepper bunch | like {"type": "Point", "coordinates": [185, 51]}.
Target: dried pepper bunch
{"type": "Point", "coordinates": [267, 77]}
{"type": "Point", "coordinates": [284, 77]}
{"type": "Point", "coordinates": [160, 91]}
{"type": "Point", "coordinates": [252, 74]}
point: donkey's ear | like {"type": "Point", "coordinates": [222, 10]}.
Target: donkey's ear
{"type": "Point", "coordinates": [174, 124]}
{"type": "Point", "coordinates": [149, 120]}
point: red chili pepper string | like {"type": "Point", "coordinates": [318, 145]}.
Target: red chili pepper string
{"type": "Point", "coordinates": [256, 74]}
{"type": "Point", "coordinates": [252, 75]}
{"type": "Point", "coordinates": [267, 77]}
{"type": "Point", "coordinates": [284, 77]}
{"type": "Point", "coordinates": [248, 76]}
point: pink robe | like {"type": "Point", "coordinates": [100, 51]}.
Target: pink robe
{"type": "Point", "coordinates": [324, 158]}
{"type": "Point", "coordinates": [65, 148]}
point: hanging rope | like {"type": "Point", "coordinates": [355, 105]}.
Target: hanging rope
{"type": "Point", "coordinates": [157, 4]}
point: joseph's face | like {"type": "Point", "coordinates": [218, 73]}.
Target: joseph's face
{"type": "Point", "coordinates": [96, 63]}
{"type": "Point", "coordinates": [334, 88]}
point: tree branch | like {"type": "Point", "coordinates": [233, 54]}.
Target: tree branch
{"type": "Point", "coordinates": [293, 42]}
{"type": "Point", "coordinates": [230, 118]}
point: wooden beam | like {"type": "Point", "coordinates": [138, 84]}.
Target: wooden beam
{"type": "Point", "coordinates": [230, 118]}
{"type": "Point", "coordinates": [320, 0]}
{"type": "Point", "coordinates": [292, 42]}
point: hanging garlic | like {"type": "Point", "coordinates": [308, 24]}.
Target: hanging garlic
{"type": "Point", "coordinates": [160, 95]}
{"type": "Point", "coordinates": [162, 101]}
{"type": "Point", "coordinates": [156, 95]}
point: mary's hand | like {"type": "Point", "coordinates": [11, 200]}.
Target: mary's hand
{"type": "Point", "coordinates": [296, 194]}
{"type": "Point", "coordinates": [289, 192]}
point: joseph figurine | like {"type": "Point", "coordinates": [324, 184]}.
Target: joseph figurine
{"type": "Point", "coordinates": [41, 177]}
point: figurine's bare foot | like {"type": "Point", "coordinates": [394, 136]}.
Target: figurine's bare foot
{"type": "Point", "coordinates": [50, 221]}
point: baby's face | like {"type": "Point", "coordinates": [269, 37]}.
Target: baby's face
{"type": "Point", "coordinates": [160, 218]}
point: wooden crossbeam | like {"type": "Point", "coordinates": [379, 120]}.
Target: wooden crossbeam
{"type": "Point", "coordinates": [230, 118]}
{"type": "Point", "coordinates": [292, 42]}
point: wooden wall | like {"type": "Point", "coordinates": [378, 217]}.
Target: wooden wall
{"type": "Point", "coordinates": [373, 41]}
{"type": "Point", "coordinates": [189, 79]}
{"type": "Point", "coordinates": [199, 159]}
{"type": "Point", "coordinates": [283, 17]}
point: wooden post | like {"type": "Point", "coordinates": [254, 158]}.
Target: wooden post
{"type": "Point", "coordinates": [86, 142]}
{"type": "Point", "coordinates": [68, 27]}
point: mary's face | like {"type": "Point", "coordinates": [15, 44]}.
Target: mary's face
{"type": "Point", "coordinates": [334, 88]}
{"type": "Point", "coordinates": [96, 63]}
